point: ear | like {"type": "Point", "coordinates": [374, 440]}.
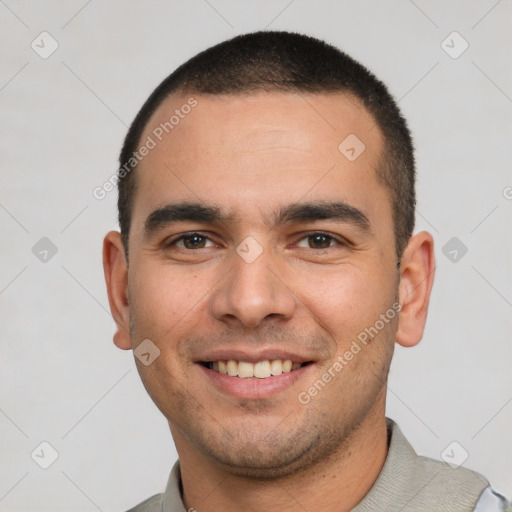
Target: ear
{"type": "Point", "coordinates": [116, 278]}
{"type": "Point", "coordinates": [417, 268]}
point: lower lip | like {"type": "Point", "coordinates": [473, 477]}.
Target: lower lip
{"type": "Point", "coordinates": [254, 388]}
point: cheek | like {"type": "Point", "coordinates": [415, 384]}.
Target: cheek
{"type": "Point", "coordinates": [345, 299]}
{"type": "Point", "coordinates": [163, 298]}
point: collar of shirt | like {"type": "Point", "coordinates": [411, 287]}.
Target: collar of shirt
{"type": "Point", "coordinates": [407, 482]}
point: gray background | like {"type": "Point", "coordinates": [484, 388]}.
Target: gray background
{"type": "Point", "coordinates": [63, 120]}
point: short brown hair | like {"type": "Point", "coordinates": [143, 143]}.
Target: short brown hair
{"type": "Point", "coordinates": [288, 62]}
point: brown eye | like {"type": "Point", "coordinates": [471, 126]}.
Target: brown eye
{"type": "Point", "coordinates": [192, 241]}
{"type": "Point", "coordinates": [318, 241]}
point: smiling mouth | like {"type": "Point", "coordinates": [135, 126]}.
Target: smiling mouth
{"type": "Point", "coordinates": [259, 370]}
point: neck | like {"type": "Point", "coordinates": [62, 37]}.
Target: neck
{"type": "Point", "coordinates": [339, 483]}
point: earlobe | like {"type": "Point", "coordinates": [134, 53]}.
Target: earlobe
{"type": "Point", "coordinates": [416, 279]}
{"type": "Point", "coordinates": [116, 278]}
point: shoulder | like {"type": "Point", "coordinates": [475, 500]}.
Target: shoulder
{"type": "Point", "coordinates": [446, 485]}
{"type": "Point", "coordinates": [414, 483]}
{"type": "Point", "coordinates": [153, 504]}
{"type": "Point", "coordinates": [167, 501]}
{"type": "Point", "coordinates": [491, 501]}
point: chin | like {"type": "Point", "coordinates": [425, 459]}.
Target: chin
{"type": "Point", "coordinates": [267, 458]}
{"type": "Point", "coordinates": [255, 465]}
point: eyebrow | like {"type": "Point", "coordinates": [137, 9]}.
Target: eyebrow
{"type": "Point", "coordinates": [338, 211]}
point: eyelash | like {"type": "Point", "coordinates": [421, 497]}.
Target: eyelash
{"type": "Point", "coordinates": [340, 241]}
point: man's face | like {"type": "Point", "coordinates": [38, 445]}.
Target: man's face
{"type": "Point", "coordinates": [306, 297]}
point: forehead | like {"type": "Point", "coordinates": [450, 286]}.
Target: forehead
{"type": "Point", "coordinates": [261, 121]}
{"type": "Point", "coordinates": [246, 151]}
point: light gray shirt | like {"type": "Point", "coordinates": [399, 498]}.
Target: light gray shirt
{"type": "Point", "coordinates": [407, 483]}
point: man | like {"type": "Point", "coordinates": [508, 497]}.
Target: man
{"type": "Point", "coordinates": [264, 270]}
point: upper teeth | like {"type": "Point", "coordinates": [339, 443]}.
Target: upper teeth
{"type": "Point", "coordinates": [261, 369]}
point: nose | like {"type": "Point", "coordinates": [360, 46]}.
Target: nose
{"type": "Point", "coordinates": [251, 292]}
